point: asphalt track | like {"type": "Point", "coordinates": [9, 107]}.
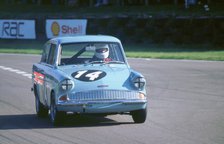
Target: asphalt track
{"type": "Point", "coordinates": [186, 106]}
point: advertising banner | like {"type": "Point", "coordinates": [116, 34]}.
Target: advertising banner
{"type": "Point", "coordinates": [59, 27]}
{"type": "Point", "coordinates": [17, 29]}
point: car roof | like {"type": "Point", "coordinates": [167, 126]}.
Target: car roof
{"type": "Point", "coordinates": [85, 38]}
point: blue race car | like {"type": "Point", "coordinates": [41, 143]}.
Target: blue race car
{"type": "Point", "coordinates": [87, 75]}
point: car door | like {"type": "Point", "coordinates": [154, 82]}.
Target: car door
{"type": "Point", "coordinates": [50, 72]}
{"type": "Point", "coordinates": [39, 73]}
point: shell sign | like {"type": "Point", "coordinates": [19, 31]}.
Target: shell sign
{"type": "Point", "coordinates": [59, 27]}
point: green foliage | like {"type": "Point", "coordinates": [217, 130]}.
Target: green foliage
{"type": "Point", "coordinates": [112, 10]}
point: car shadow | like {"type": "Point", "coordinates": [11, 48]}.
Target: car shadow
{"type": "Point", "coordinates": [31, 121]}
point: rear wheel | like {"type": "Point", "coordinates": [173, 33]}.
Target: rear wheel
{"type": "Point", "coordinates": [56, 117]}
{"type": "Point", "coordinates": [139, 116]}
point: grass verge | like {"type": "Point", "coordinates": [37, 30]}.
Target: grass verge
{"type": "Point", "coordinates": [158, 51]}
{"type": "Point", "coordinates": [189, 52]}
{"type": "Point", "coordinates": [209, 55]}
{"type": "Point", "coordinates": [20, 51]}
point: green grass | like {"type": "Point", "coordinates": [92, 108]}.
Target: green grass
{"type": "Point", "coordinates": [20, 51]}
{"type": "Point", "coordinates": [208, 55]}
{"type": "Point", "coordinates": [158, 51]}
{"type": "Point", "coordinates": [190, 52]}
{"type": "Point", "coordinates": [21, 46]}
{"type": "Point", "coordinates": [203, 55]}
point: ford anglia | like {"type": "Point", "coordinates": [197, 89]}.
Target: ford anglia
{"type": "Point", "coordinates": [87, 75]}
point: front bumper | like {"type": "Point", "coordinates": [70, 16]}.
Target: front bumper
{"type": "Point", "coordinates": [110, 106]}
{"type": "Point", "coordinates": [103, 101]}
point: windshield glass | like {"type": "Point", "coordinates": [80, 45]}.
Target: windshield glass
{"type": "Point", "coordinates": [84, 53]}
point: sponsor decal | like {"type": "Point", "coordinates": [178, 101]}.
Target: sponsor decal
{"type": "Point", "coordinates": [59, 27]}
{"type": "Point", "coordinates": [89, 75]}
{"type": "Point", "coordinates": [17, 29]}
{"type": "Point", "coordinates": [38, 78]}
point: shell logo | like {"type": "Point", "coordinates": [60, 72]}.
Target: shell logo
{"type": "Point", "coordinates": [55, 28]}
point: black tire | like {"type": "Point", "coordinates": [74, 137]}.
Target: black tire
{"type": "Point", "coordinates": [139, 116]}
{"type": "Point", "coordinates": [56, 117]}
{"type": "Point", "coordinates": [41, 110]}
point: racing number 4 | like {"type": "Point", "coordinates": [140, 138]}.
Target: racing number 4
{"type": "Point", "coordinates": [94, 75]}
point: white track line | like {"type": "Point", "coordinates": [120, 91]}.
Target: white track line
{"type": "Point", "coordinates": [25, 74]}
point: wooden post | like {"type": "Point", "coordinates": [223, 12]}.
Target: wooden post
{"type": "Point", "coordinates": [91, 3]}
{"type": "Point", "coordinates": [186, 4]}
{"type": "Point", "coordinates": [146, 2]}
{"type": "Point", "coordinates": [175, 2]}
{"type": "Point", "coordinates": [39, 2]}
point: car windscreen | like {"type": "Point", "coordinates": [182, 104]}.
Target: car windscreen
{"type": "Point", "coordinates": [89, 52]}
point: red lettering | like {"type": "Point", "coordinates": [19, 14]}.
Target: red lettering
{"type": "Point", "coordinates": [71, 30]}
{"type": "Point", "coordinates": [64, 29]}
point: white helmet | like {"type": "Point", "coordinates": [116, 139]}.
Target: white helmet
{"type": "Point", "coordinates": [102, 51]}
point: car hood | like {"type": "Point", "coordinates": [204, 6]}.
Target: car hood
{"type": "Point", "coordinates": [99, 76]}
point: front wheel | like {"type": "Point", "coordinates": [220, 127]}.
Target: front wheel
{"type": "Point", "coordinates": [56, 116]}
{"type": "Point", "coordinates": [41, 110]}
{"type": "Point", "coordinates": [139, 116]}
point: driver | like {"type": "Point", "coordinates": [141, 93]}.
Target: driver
{"type": "Point", "coordinates": [102, 53]}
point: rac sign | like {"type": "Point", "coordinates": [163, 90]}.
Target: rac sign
{"type": "Point", "coordinates": [12, 29]}
{"type": "Point", "coordinates": [17, 29]}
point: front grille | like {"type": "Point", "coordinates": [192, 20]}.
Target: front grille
{"type": "Point", "coordinates": [98, 95]}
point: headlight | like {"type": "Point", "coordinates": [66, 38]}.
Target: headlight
{"type": "Point", "coordinates": [139, 82]}
{"type": "Point", "coordinates": [67, 84]}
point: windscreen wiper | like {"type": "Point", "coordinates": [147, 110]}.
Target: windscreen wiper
{"type": "Point", "coordinates": [115, 62]}
{"type": "Point", "coordinates": [95, 62]}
